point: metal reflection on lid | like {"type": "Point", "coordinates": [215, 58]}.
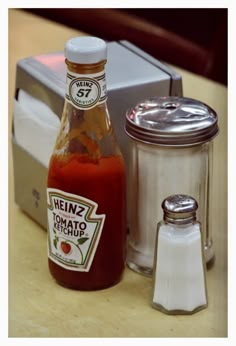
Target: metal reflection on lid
{"type": "Point", "coordinates": [179, 209]}
{"type": "Point", "coordinates": [172, 121]}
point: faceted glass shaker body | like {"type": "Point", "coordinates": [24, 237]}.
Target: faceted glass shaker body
{"type": "Point", "coordinates": [179, 282]}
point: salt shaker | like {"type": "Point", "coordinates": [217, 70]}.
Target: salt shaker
{"type": "Point", "coordinates": [179, 276]}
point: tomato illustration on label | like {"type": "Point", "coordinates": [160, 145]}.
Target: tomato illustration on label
{"type": "Point", "coordinates": [66, 248]}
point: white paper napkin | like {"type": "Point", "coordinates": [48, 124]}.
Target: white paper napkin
{"type": "Point", "coordinates": [35, 126]}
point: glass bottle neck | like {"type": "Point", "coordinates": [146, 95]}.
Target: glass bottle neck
{"type": "Point", "coordinates": [86, 127]}
{"type": "Point", "coordinates": [86, 85]}
{"type": "Point", "coordinates": [85, 68]}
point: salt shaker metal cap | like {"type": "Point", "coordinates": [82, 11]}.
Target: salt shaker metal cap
{"type": "Point", "coordinates": [179, 280]}
{"type": "Point", "coordinates": [179, 209]}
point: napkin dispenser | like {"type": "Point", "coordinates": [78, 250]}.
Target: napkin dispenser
{"type": "Point", "coordinates": [132, 75]}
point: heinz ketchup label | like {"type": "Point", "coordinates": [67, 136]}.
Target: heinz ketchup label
{"type": "Point", "coordinates": [74, 230]}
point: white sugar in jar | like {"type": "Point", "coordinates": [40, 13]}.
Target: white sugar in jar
{"type": "Point", "coordinates": [170, 152]}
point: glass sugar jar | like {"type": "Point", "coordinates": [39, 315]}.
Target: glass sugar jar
{"type": "Point", "coordinates": [171, 152]}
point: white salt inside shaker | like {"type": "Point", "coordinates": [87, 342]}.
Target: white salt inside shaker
{"type": "Point", "coordinates": [179, 279]}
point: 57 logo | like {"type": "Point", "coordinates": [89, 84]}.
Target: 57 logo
{"type": "Point", "coordinates": [86, 91]}
{"type": "Point", "coordinates": [84, 98]}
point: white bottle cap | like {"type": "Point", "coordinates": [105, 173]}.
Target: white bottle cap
{"type": "Point", "coordinates": [86, 50]}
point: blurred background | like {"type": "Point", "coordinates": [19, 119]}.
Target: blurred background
{"type": "Point", "coordinates": [193, 39]}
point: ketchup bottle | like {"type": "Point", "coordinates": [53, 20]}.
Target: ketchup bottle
{"type": "Point", "coordinates": [86, 187]}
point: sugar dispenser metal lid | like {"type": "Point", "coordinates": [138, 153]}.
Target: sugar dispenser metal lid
{"type": "Point", "coordinates": [171, 121]}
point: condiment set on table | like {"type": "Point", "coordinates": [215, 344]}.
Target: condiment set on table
{"type": "Point", "coordinates": [169, 173]}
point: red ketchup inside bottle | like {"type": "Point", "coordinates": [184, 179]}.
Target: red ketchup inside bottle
{"type": "Point", "coordinates": [104, 183]}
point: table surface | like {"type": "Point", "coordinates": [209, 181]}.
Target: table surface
{"type": "Point", "coordinates": [38, 307]}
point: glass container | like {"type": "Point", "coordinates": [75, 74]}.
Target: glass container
{"type": "Point", "coordinates": [86, 187]}
{"type": "Point", "coordinates": [179, 278]}
{"type": "Point", "coordinates": [170, 153]}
